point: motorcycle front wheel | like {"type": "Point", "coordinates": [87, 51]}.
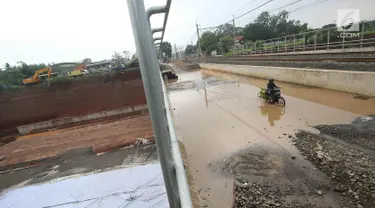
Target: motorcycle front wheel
{"type": "Point", "coordinates": [281, 102]}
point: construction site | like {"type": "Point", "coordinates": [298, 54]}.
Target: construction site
{"type": "Point", "coordinates": [200, 131]}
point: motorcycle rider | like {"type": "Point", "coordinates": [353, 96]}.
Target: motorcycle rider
{"type": "Point", "coordinates": [271, 86]}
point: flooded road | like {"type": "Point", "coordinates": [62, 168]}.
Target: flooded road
{"type": "Point", "coordinates": [228, 132]}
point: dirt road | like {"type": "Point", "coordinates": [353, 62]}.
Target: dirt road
{"type": "Point", "coordinates": [229, 133]}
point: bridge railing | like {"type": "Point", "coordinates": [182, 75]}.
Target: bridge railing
{"type": "Point", "coordinates": [320, 39]}
{"type": "Point", "coordinates": [158, 104]}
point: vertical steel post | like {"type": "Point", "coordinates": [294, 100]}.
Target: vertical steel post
{"type": "Point", "coordinates": [175, 49]}
{"type": "Point", "coordinates": [278, 46]}
{"type": "Point", "coordinates": [304, 41]}
{"type": "Point", "coordinates": [315, 36]}
{"type": "Point", "coordinates": [343, 41]}
{"type": "Point", "coordinates": [328, 40]}
{"type": "Point", "coordinates": [362, 31]}
{"type": "Point", "coordinates": [152, 83]}
{"type": "Point", "coordinates": [199, 41]}
{"type": "Point", "coordinates": [294, 43]}
{"type": "Point", "coordinates": [234, 37]}
{"type": "Point", "coordinates": [264, 47]}
{"type": "Point", "coordinates": [285, 51]}
{"type": "Point", "coordinates": [255, 47]}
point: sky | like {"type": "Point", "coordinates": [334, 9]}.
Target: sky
{"type": "Point", "coordinates": [53, 31]}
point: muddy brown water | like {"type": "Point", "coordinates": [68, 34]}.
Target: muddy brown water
{"type": "Point", "coordinates": [219, 120]}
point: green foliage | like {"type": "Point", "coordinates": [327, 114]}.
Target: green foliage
{"type": "Point", "coordinates": [265, 26]}
{"type": "Point", "coordinates": [268, 26]}
{"type": "Point", "coordinates": [60, 79]}
{"type": "Point", "coordinates": [226, 43]}
{"type": "Point", "coordinates": [133, 62]}
{"type": "Point", "coordinates": [166, 48]}
{"type": "Point", "coordinates": [13, 75]}
{"type": "Point", "coordinates": [189, 50]}
{"type": "Point", "coordinates": [209, 42]}
{"type": "Point", "coordinates": [87, 61]}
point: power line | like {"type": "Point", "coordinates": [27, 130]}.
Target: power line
{"type": "Point", "coordinates": [269, 1]}
{"type": "Point", "coordinates": [307, 5]}
{"type": "Point", "coordinates": [245, 5]}
{"type": "Point", "coordinates": [298, 8]}
{"type": "Point", "coordinates": [290, 4]}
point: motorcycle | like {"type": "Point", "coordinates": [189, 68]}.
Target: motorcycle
{"type": "Point", "coordinates": [279, 100]}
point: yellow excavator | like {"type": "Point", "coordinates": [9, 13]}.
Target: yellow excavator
{"type": "Point", "coordinates": [35, 78]}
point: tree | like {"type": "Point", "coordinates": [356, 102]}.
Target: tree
{"type": "Point", "coordinates": [13, 75]}
{"type": "Point", "coordinates": [226, 43]}
{"type": "Point", "coordinates": [7, 66]}
{"type": "Point", "coordinates": [126, 55]}
{"type": "Point", "coordinates": [189, 50]}
{"type": "Point", "coordinates": [258, 31]}
{"type": "Point", "coordinates": [166, 49]}
{"type": "Point", "coordinates": [225, 30]}
{"type": "Point", "coordinates": [87, 61]}
{"type": "Point", "coordinates": [208, 42]}
{"type": "Point", "coordinates": [268, 26]}
{"type": "Point", "coordinates": [332, 25]}
{"type": "Point", "coordinates": [118, 59]}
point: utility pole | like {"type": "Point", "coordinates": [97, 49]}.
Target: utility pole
{"type": "Point", "coordinates": [199, 42]}
{"type": "Point", "coordinates": [234, 37]}
{"type": "Point", "coordinates": [193, 48]}
{"type": "Point", "coordinates": [175, 49]}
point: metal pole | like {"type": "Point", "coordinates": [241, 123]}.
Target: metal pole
{"type": "Point", "coordinates": [199, 42]}
{"type": "Point", "coordinates": [362, 31]}
{"type": "Point", "coordinates": [278, 46]}
{"type": "Point", "coordinates": [285, 45]}
{"type": "Point", "coordinates": [234, 37]}
{"type": "Point", "coordinates": [315, 41]}
{"type": "Point", "coordinates": [294, 43]}
{"type": "Point", "coordinates": [328, 41]}
{"type": "Point", "coordinates": [154, 94]}
{"type": "Point", "coordinates": [343, 41]}
{"type": "Point", "coordinates": [304, 41]}
{"type": "Point", "coordinates": [255, 47]}
{"type": "Point", "coordinates": [264, 46]}
{"type": "Point", "coordinates": [175, 49]}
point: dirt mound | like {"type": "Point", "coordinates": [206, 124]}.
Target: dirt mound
{"type": "Point", "coordinates": [255, 195]}
{"type": "Point", "coordinates": [188, 65]}
{"type": "Point", "coordinates": [71, 98]}
{"type": "Point", "coordinates": [361, 131]}
{"type": "Point", "coordinates": [352, 171]}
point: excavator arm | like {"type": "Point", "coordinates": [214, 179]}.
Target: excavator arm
{"type": "Point", "coordinates": [35, 77]}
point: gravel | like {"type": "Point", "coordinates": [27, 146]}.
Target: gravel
{"type": "Point", "coordinates": [352, 171]}
{"type": "Point", "coordinates": [360, 132]}
{"type": "Point", "coordinates": [253, 194]}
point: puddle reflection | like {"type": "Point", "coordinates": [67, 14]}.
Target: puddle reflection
{"type": "Point", "coordinates": [273, 112]}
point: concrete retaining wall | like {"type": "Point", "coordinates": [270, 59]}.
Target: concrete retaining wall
{"type": "Point", "coordinates": [76, 119]}
{"type": "Point", "coordinates": [346, 81]}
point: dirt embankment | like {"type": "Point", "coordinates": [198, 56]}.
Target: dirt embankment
{"type": "Point", "coordinates": [71, 98]}
{"type": "Point", "coordinates": [346, 154]}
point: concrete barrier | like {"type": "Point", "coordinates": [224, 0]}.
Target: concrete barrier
{"type": "Point", "coordinates": [25, 129]}
{"type": "Point", "coordinates": [347, 81]}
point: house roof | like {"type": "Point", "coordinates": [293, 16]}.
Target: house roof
{"type": "Point", "coordinates": [239, 38]}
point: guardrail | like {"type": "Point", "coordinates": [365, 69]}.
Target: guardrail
{"type": "Point", "coordinates": [321, 39]}
{"type": "Point", "coordinates": [295, 46]}
{"type": "Point", "coordinates": [157, 101]}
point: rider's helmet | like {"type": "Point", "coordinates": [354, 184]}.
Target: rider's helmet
{"type": "Point", "coordinates": [271, 79]}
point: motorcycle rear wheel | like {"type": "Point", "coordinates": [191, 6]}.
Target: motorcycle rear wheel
{"type": "Point", "coordinates": [281, 102]}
